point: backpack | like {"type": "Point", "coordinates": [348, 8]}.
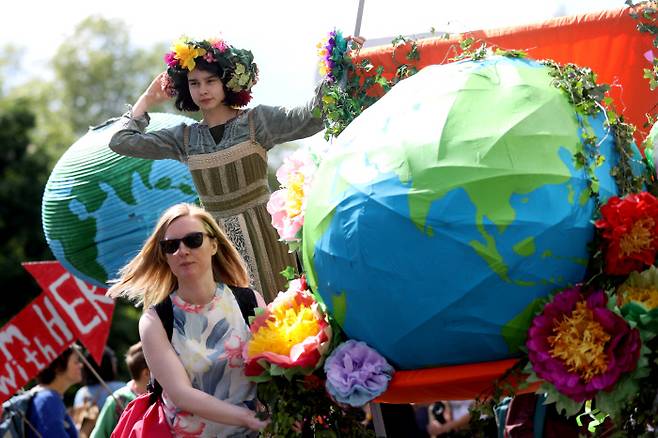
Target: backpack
{"type": "Point", "coordinates": [14, 422]}
{"type": "Point", "coordinates": [246, 299]}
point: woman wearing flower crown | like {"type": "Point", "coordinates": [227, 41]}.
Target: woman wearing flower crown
{"type": "Point", "coordinates": [227, 152]}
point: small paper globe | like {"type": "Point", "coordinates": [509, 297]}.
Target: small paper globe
{"type": "Point", "coordinates": [448, 207]}
{"type": "Point", "coordinates": [99, 207]}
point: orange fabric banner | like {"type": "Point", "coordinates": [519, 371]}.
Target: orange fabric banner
{"type": "Point", "coordinates": [458, 382]}
{"type": "Point", "coordinates": [606, 41]}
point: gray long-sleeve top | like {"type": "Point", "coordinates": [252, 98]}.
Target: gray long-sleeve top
{"type": "Point", "coordinates": [272, 124]}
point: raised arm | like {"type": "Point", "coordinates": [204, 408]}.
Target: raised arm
{"type": "Point", "coordinates": [276, 124]}
{"type": "Point", "coordinates": [170, 373]}
{"type": "Point", "coordinates": [131, 140]}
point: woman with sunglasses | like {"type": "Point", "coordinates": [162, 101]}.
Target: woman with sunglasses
{"type": "Point", "coordinates": [190, 260]}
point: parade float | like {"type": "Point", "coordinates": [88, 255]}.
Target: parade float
{"type": "Point", "coordinates": [482, 224]}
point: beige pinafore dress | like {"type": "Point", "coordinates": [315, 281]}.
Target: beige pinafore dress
{"type": "Point", "coordinates": [232, 186]}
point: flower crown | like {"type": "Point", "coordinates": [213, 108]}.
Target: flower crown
{"type": "Point", "coordinates": [240, 73]}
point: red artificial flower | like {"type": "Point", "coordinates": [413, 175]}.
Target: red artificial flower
{"type": "Point", "coordinates": [630, 229]}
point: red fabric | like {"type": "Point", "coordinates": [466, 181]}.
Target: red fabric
{"type": "Point", "coordinates": [457, 382]}
{"type": "Point", "coordinates": [141, 419]}
{"type": "Point", "coordinates": [606, 41]}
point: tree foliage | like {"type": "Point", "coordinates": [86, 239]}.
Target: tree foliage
{"type": "Point", "coordinates": [95, 73]}
{"type": "Point", "coordinates": [23, 174]}
{"type": "Point", "coordinates": [98, 70]}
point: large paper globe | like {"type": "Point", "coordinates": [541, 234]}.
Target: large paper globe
{"type": "Point", "coordinates": [99, 207]}
{"type": "Point", "coordinates": [448, 207]}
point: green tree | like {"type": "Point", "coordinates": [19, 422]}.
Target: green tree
{"type": "Point", "coordinates": [99, 71]}
{"type": "Point", "coordinates": [95, 72]}
{"type": "Point", "coordinates": [23, 175]}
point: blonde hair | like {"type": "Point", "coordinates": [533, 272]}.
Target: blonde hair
{"type": "Point", "coordinates": [147, 279]}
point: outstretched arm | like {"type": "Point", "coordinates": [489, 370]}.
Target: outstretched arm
{"type": "Point", "coordinates": [170, 373]}
{"type": "Point", "coordinates": [275, 124]}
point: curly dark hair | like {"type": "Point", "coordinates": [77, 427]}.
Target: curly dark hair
{"type": "Point", "coordinates": [184, 100]}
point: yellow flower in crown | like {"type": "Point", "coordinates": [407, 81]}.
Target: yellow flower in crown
{"type": "Point", "coordinates": [185, 51]}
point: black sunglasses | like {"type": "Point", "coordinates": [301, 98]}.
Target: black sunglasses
{"type": "Point", "coordinates": [191, 240]}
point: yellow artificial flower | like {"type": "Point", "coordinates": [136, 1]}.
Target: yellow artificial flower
{"type": "Point", "coordinates": [286, 327]}
{"type": "Point", "coordinates": [641, 288]}
{"type": "Point", "coordinates": [186, 52]}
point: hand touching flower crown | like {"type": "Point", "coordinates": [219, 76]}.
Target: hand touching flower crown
{"type": "Point", "coordinates": [239, 72]}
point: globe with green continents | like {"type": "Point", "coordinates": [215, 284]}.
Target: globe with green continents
{"type": "Point", "coordinates": [446, 209]}
{"type": "Point", "coordinates": [99, 207]}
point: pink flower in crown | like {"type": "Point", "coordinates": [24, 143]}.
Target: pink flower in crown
{"type": "Point", "coordinates": [170, 59]}
{"type": "Point", "coordinates": [219, 45]}
{"type": "Point", "coordinates": [208, 57]}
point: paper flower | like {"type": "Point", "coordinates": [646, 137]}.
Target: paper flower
{"type": "Point", "coordinates": [580, 346]}
{"type": "Point", "coordinates": [291, 333]}
{"type": "Point", "coordinates": [219, 44]}
{"type": "Point", "coordinates": [641, 288]}
{"type": "Point", "coordinates": [356, 373]}
{"type": "Point", "coordinates": [331, 52]}
{"type": "Point", "coordinates": [287, 205]}
{"type": "Point", "coordinates": [638, 299]}
{"type": "Point", "coordinates": [170, 59]}
{"type": "Point", "coordinates": [630, 229]}
{"type": "Point", "coordinates": [185, 52]}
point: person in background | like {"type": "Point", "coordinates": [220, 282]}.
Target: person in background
{"type": "Point", "coordinates": [111, 411]}
{"type": "Point", "coordinates": [47, 412]}
{"type": "Point", "coordinates": [93, 392]}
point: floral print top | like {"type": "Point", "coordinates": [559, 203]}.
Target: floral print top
{"type": "Point", "coordinates": [209, 340]}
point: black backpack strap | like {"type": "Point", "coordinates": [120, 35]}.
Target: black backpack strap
{"type": "Point", "coordinates": [165, 311]}
{"type": "Point", "coordinates": [246, 299]}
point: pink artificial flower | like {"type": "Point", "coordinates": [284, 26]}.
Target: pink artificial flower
{"type": "Point", "coordinates": [619, 354]}
{"type": "Point", "coordinates": [292, 332]}
{"type": "Point", "coordinates": [170, 59]}
{"type": "Point", "coordinates": [288, 205]}
{"type": "Point", "coordinates": [287, 227]}
{"type": "Point", "coordinates": [220, 45]}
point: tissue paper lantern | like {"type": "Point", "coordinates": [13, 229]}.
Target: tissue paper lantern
{"type": "Point", "coordinates": [448, 207]}
{"type": "Point", "coordinates": [99, 207]}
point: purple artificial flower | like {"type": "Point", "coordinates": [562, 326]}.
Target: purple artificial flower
{"type": "Point", "coordinates": [356, 373]}
{"type": "Point", "coordinates": [598, 369]}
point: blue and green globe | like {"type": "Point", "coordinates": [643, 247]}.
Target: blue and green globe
{"type": "Point", "coordinates": [448, 207]}
{"type": "Point", "coordinates": [99, 207]}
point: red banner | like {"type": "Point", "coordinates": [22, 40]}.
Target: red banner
{"type": "Point", "coordinates": [68, 309]}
